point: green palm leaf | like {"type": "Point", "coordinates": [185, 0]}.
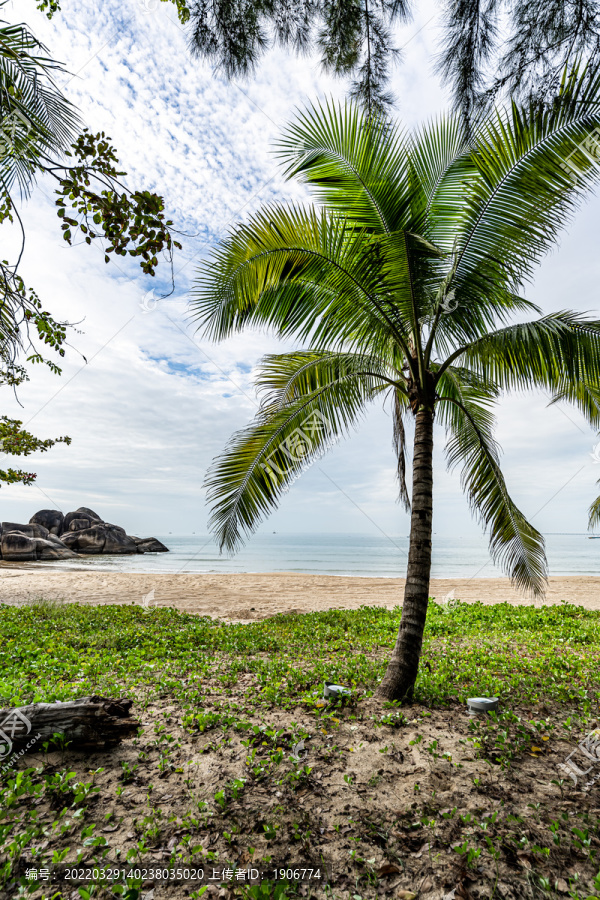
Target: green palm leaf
{"type": "Point", "coordinates": [513, 191]}
{"type": "Point", "coordinates": [301, 273]}
{"type": "Point", "coordinates": [515, 545]}
{"type": "Point", "coordinates": [313, 400]}
{"type": "Point", "coordinates": [35, 117]}
{"type": "Point", "coordinates": [559, 353]}
{"type": "Point", "coordinates": [594, 513]}
{"type": "Point", "coordinates": [357, 165]}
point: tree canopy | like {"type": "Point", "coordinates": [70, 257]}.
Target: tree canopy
{"type": "Point", "coordinates": [41, 134]}
{"type": "Point", "coordinates": [488, 48]}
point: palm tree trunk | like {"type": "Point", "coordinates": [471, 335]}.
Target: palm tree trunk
{"type": "Point", "coordinates": [402, 669]}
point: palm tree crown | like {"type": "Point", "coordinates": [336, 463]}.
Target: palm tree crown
{"type": "Point", "coordinates": [406, 278]}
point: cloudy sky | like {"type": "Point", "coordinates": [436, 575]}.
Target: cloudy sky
{"type": "Point", "coordinates": [154, 403]}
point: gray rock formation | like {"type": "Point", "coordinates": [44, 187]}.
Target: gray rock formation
{"type": "Point", "coordinates": [52, 549]}
{"type": "Point", "coordinates": [12, 527]}
{"type": "Point", "coordinates": [78, 524]}
{"type": "Point", "coordinates": [17, 547]}
{"type": "Point", "coordinates": [150, 545]}
{"type": "Point", "coordinates": [52, 539]}
{"type": "Point", "coordinates": [50, 535]}
{"type": "Point", "coordinates": [119, 542]}
{"type": "Point", "coordinates": [115, 527]}
{"type": "Point", "coordinates": [32, 530]}
{"type": "Point", "coordinates": [84, 510]}
{"type": "Point", "coordinates": [52, 519]}
{"type": "Point", "coordinates": [85, 520]}
{"type": "Point", "coordinates": [87, 540]}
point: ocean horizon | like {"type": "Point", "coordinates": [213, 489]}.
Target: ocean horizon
{"type": "Point", "coordinates": [358, 555]}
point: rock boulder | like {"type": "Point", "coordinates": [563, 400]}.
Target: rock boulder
{"type": "Point", "coordinates": [16, 547]}
{"type": "Point", "coordinates": [116, 528]}
{"type": "Point", "coordinates": [52, 519]}
{"type": "Point", "coordinates": [119, 542]}
{"type": "Point", "coordinates": [31, 530]}
{"type": "Point", "coordinates": [52, 550]}
{"type": "Point", "coordinates": [89, 540]}
{"type": "Point", "coordinates": [89, 513]}
{"type": "Point", "coordinates": [85, 521]}
{"type": "Point", "coordinates": [58, 542]}
{"type": "Point", "coordinates": [78, 525]}
{"type": "Point", "coordinates": [11, 527]}
{"type": "Point", "coordinates": [150, 545]}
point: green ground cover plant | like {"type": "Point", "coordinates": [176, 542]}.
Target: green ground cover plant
{"type": "Point", "coordinates": [239, 758]}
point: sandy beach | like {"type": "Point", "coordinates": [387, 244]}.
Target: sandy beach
{"type": "Point", "coordinates": [245, 597]}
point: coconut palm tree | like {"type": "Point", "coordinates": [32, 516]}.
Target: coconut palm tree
{"type": "Point", "coordinates": [406, 280]}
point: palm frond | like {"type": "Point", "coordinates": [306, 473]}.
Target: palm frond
{"type": "Point", "coordinates": [433, 149]}
{"type": "Point", "coordinates": [515, 545]}
{"type": "Point", "coordinates": [306, 274]}
{"type": "Point", "coordinates": [400, 409]}
{"type": "Point", "coordinates": [356, 163]}
{"type": "Point", "coordinates": [510, 196]}
{"type": "Point", "coordinates": [35, 116]}
{"type": "Point", "coordinates": [559, 352]}
{"type": "Point", "coordinates": [261, 461]}
{"type": "Point", "coordinates": [284, 378]}
{"type": "Point", "coordinates": [594, 513]}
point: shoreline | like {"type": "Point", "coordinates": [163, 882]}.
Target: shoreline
{"type": "Point", "coordinates": [251, 596]}
{"type": "Point", "coordinates": [54, 566]}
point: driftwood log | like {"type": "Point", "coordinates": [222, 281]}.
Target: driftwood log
{"type": "Point", "coordinates": [91, 723]}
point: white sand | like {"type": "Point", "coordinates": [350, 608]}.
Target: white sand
{"type": "Point", "coordinates": [246, 597]}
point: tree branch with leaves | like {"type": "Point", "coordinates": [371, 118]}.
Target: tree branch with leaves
{"type": "Point", "coordinates": [39, 136]}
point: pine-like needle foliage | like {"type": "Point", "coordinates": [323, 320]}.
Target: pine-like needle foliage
{"type": "Point", "coordinates": [352, 37]}
{"type": "Point", "coordinates": [514, 49]}
{"type": "Point", "coordinates": [489, 48]}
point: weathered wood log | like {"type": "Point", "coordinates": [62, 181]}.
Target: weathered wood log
{"type": "Point", "coordinates": [91, 723]}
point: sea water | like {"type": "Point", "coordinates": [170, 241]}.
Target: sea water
{"type": "Point", "coordinates": [366, 555]}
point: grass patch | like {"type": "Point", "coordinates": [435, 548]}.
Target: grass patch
{"type": "Point", "coordinates": [420, 799]}
{"type": "Point", "coordinates": [52, 651]}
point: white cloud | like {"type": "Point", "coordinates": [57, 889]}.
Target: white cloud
{"type": "Point", "coordinates": [154, 404]}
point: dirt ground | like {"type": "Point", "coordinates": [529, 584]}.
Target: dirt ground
{"type": "Point", "coordinates": [384, 811]}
